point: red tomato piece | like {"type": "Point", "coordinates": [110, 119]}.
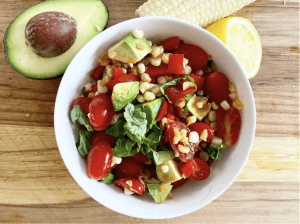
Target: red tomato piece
{"type": "Point", "coordinates": [101, 135]}
{"type": "Point", "coordinates": [156, 71]}
{"type": "Point", "coordinates": [99, 160]}
{"type": "Point", "coordinates": [203, 170]}
{"type": "Point", "coordinates": [178, 111]}
{"type": "Point", "coordinates": [179, 183]}
{"type": "Point", "coordinates": [197, 57]}
{"type": "Point", "coordinates": [98, 72]}
{"type": "Point", "coordinates": [171, 43]}
{"type": "Point", "coordinates": [170, 112]}
{"type": "Point", "coordinates": [163, 110]}
{"type": "Point", "coordinates": [124, 78]}
{"type": "Point", "coordinates": [176, 95]}
{"type": "Point", "coordinates": [140, 157]}
{"type": "Point", "coordinates": [83, 102]}
{"type": "Point", "coordinates": [187, 168]}
{"type": "Point", "coordinates": [94, 89]}
{"type": "Point", "coordinates": [175, 65]}
{"type": "Point", "coordinates": [129, 168]}
{"type": "Point", "coordinates": [217, 87]}
{"type": "Point", "coordinates": [101, 112]}
{"type": "Point", "coordinates": [199, 81]}
{"type": "Point", "coordinates": [132, 184]}
{"type": "Point", "coordinates": [117, 73]}
{"type": "Point", "coordinates": [200, 126]}
{"type": "Point", "coordinates": [230, 126]}
{"type": "Point", "coordinates": [182, 156]}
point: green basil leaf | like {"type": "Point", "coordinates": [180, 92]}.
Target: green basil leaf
{"type": "Point", "coordinates": [211, 64]}
{"type": "Point", "coordinates": [108, 179]}
{"type": "Point", "coordinates": [83, 144]}
{"type": "Point", "coordinates": [117, 130]}
{"type": "Point", "coordinates": [83, 90]}
{"type": "Point", "coordinates": [136, 125]}
{"type": "Point", "coordinates": [124, 147]}
{"type": "Point", "coordinates": [215, 153]}
{"type": "Point", "coordinates": [78, 116]}
{"type": "Point", "coordinates": [154, 137]}
{"type": "Point", "coordinates": [185, 110]}
{"type": "Point", "coordinates": [173, 83]}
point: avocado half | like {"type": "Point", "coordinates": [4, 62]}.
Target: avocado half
{"type": "Point", "coordinates": [91, 17]}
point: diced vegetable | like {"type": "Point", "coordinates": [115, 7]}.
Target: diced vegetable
{"type": "Point", "coordinates": [175, 65]}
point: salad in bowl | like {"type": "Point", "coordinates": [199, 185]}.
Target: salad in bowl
{"type": "Point", "coordinates": [155, 115]}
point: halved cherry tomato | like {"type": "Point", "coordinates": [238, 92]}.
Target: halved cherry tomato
{"type": "Point", "coordinates": [171, 43]}
{"type": "Point", "coordinates": [101, 112]}
{"type": "Point", "coordinates": [94, 89]}
{"type": "Point", "coordinates": [124, 78]}
{"type": "Point", "coordinates": [217, 87]}
{"type": "Point", "coordinates": [132, 184]}
{"type": "Point", "coordinates": [229, 124]}
{"type": "Point", "coordinates": [179, 183]}
{"type": "Point", "coordinates": [187, 168]}
{"type": "Point", "coordinates": [97, 73]}
{"type": "Point", "coordinates": [203, 170]}
{"type": "Point", "coordinates": [101, 135]}
{"type": "Point", "coordinates": [197, 57]}
{"type": "Point", "coordinates": [129, 168]}
{"type": "Point", "coordinates": [99, 160]}
{"type": "Point", "coordinates": [200, 126]}
{"type": "Point", "coordinates": [163, 110]}
{"type": "Point", "coordinates": [182, 156]}
{"type": "Point", "coordinates": [199, 81]}
{"type": "Point", "coordinates": [140, 157]}
{"type": "Point", "coordinates": [156, 71]}
{"type": "Point", "coordinates": [83, 102]}
{"type": "Point", "coordinates": [175, 65]}
{"type": "Point", "coordinates": [176, 95]}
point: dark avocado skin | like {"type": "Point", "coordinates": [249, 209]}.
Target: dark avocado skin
{"type": "Point", "coordinates": [7, 50]}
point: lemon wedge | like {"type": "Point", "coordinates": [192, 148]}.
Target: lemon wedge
{"type": "Point", "coordinates": [241, 37]}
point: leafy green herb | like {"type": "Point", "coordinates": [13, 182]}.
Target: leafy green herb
{"type": "Point", "coordinates": [108, 179]}
{"type": "Point", "coordinates": [117, 130]}
{"type": "Point", "coordinates": [154, 137]}
{"type": "Point", "coordinates": [185, 110]}
{"type": "Point", "coordinates": [136, 125]}
{"type": "Point", "coordinates": [78, 116]}
{"type": "Point", "coordinates": [83, 90]}
{"type": "Point", "coordinates": [158, 195]}
{"type": "Point", "coordinates": [173, 83]}
{"type": "Point", "coordinates": [124, 147]}
{"type": "Point", "coordinates": [216, 153]}
{"type": "Point", "coordinates": [211, 64]}
{"type": "Point", "coordinates": [83, 144]}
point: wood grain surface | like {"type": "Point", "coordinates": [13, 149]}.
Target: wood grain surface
{"type": "Point", "coordinates": [35, 186]}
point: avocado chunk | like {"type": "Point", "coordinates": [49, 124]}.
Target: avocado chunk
{"type": "Point", "coordinates": [164, 156]}
{"type": "Point", "coordinates": [158, 195]}
{"type": "Point", "coordinates": [124, 93]}
{"type": "Point", "coordinates": [91, 17]}
{"type": "Point", "coordinates": [130, 49]}
{"type": "Point", "coordinates": [171, 175]}
{"type": "Point", "coordinates": [199, 113]}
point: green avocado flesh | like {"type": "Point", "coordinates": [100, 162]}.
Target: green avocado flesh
{"type": "Point", "coordinates": [91, 17]}
{"type": "Point", "coordinates": [124, 93]}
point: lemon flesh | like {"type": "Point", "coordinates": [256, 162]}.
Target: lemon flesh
{"type": "Point", "coordinates": [241, 37]}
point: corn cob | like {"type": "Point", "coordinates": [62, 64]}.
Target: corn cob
{"type": "Point", "coordinates": [199, 12]}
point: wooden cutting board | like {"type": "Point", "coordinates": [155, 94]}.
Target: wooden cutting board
{"type": "Point", "coordinates": [36, 186]}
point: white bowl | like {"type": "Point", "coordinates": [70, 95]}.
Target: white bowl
{"type": "Point", "coordinates": [194, 194]}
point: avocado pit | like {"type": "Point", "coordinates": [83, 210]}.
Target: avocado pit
{"type": "Point", "coordinates": [50, 34]}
